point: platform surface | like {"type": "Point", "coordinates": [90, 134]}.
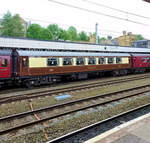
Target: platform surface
{"type": "Point", "coordinates": [135, 131]}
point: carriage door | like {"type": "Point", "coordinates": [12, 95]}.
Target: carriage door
{"type": "Point", "coordinates": [24, 66]}
{"type": "Point", "coordinates": [5, 71]}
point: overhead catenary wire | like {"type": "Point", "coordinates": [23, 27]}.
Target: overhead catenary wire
{"type": "Point", "coordinates": [88, 29]}
{"type": "Point", "coordinates": [115, 9]}
{"type": "Point", "coordinates": [67, 25]}
{"type": "Point", "coordinates": [98, 13]}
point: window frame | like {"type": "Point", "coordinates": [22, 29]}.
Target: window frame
{"type": "Point", "coordinates": [112, 60]}
{"type": "Point", "coordinates": [5, 62]}
{"type": "Point", "coordinates": [50, 59]}
{"type": "Point", "coordinates": [94, 61]}
{"type": "Point", "coordinates": [120, 60]}
{"type": "Point", "coordinates": [26, 62]}
{"type": "Point", "coordinates": [67, 64]}
{"type": "Point", "coordinates": [104, 60]}
{"type": "Point", "coordinates": [82, 60]}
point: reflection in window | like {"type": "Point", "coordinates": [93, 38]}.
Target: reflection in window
{"type": "Point", "coordinates": [24, 62]}
{"type": "Point", "coordinates": [110, 60]}
{"type": "Point", "coordinates": [67, 61]}
{"type": "Point", "coordinates": [118, 60]}
{"type": "Point", "coordinates": [101, 61]}
{"type": "Point", "coordinates": [52, 61]}
{"type": "Point", "coordinates": [80, 61]}
{"type": "Point", "coordinates": [91, 61]}
{"type": "Point", "coordinates": [4, 63]}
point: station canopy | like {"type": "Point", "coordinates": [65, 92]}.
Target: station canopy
{"type": "Point", "coordinates": [30, 44]}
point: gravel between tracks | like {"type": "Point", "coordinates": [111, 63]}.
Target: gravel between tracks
{"type": "Point", "coordinates": [17, 107]}
{"type": "Point", "coordinates": [63, 125]}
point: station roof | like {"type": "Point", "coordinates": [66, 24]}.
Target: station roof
{"type": "Point", "coordinates": [29, 44]}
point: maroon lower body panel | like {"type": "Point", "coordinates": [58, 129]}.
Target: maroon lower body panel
{"type": "Point", "coordinates": [73, 69]}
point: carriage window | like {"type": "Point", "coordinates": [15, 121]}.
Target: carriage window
{"type": "Point", "coordinates": [52, 62]}
{"type": "Point", "coordinates": [148, 59]}
{"type": "Point", "coordinates": [67, 61]}
{"type": "Point", "coordinates": [24, 62]}
{"type": "Point", "coordinates": [80, 61]}
{"type": "Point", "coordinates": [91, 61]}
{"type": "Point", "coordinates": [4, 62]}
{"type": "Point", "coordinates": [118, 60]}
{"type": "Point", "coordinates": [145, 60]}
{"type": "Point", "coordinates": [110, 60]}
{"type": "Point", "coordinates": [101, 61]}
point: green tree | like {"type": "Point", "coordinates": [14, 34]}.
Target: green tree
{"type": "Point", "coordinates": [102, 40]}
{"type": "Point", "coordinates": [45, 34]}
{"type": "Point", "coordinates": [83, 36]}
{"type": "Point", "coordinates": [12, 26]}
{"type": "Point", "coordinates": [73, 36]}
{"type": "Point", "coordinates": [34, 31]}
{"type": "Point", "coordinates": [139, 37]}
{"type": "Point", "coordinates": [64, 35]}
{"type": "Point", "coordinates": [55, 31]}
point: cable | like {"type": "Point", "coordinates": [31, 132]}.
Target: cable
{"type": "Point", "coordinates": [126, 12]}
{"type": "Point", "coordinates": [50, 22]}
{"type": "Point", "coordinates": [98, 13]}
{"type": "Point", "coordinates": [81, 27]}
{"type": "Point", "coordinates": [92, 30]}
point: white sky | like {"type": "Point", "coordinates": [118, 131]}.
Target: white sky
{"type": "Point", "coordinates": [49, 13]}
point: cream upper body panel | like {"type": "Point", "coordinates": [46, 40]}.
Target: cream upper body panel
{"type": "Point", "coordinates": [35, 62]}
{"type": "Point", "coordinates": [125, 60]}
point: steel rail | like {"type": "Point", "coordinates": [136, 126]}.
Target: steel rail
{"type": "Point", "coordinates": [71, 134]}
{"type": "Point", "coordinates": [63, 90]}
{"type": "Point", "coordinates": [67, 112]}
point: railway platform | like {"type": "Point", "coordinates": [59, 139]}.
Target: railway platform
{"type": "Point", "coordinates": [134, 131]}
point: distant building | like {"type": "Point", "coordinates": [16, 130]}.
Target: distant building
{"type": "Point", "coordinates": [114, 41]}
{"type": "Point", "coordinates": [141, 44]}
{"type": "Point", "coordinates": [126, 39]}
{"type": "Point", "coordinates": [92, 39]}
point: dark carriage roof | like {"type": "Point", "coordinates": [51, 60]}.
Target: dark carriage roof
{"type": "Point", "coordinates": [69, 54]}
{"type": "Point", "coordinates": [5, 52]}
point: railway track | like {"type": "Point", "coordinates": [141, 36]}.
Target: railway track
{"type": "Point", "coordinates": [9, 99]}
{"type": "Point", "coordinates": [74, 106]}
{"type": "Point", "coordinates": [85, 131]}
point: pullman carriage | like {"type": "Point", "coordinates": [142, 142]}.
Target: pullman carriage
{"type": "Point", "coordinates": [40, 67]}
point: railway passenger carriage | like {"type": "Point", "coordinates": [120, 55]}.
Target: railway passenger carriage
{"type": "Point", "coordinates": [38, 67]}
{"type": "Point", "coordinates": [140, 62]}
{"type": "Point", "coordinates": [33, 62]}
{"type": "Point", "coordinates": [5, 66]}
